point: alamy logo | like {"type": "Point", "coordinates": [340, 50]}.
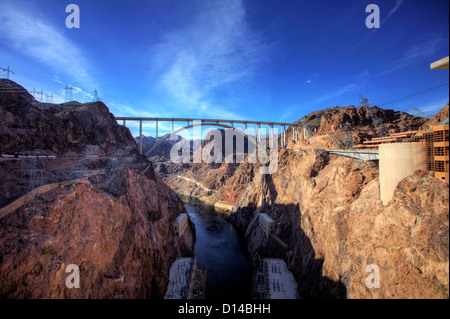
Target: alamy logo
{"type": "Point", "coordinates": [231, 149]}
{"type": "Point", "coordinates": [73, 19]}
{"type": "Point", "coordinates": [73, 280]}
{"type": "Point", "coordinates": [373, 280]}
{"type": "Point", "coordinates": [373, 19]}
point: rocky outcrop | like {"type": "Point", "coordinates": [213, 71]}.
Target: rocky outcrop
{"type": "Point", "coordinates": [123, 245]}
{"type": "Point", "coordinates": [27, 125]}
{"type": "Point", "coordinates": [331, 119]}
{"type": "Point", "coordinates": [342, 127]}
{"type": "Point", "coordinates": [116, 225]}
{"type": "Point", "coordinates": [442, 115]}
{"type": "Point", "coordinates": [329, 215]}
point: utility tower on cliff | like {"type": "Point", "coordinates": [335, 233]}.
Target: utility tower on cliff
{"type": "Point", "coordinates": [69, 93]}
{"type": "Point", "coordinates": [376, 121]}
{"type": "Point", "coordinates": [96, 98]}
{"type": "Point", "coordinates": [7, 70]}
{"type": "Point", "coordinates": [34, 92]}
{"type": "Point", "coordinates": [42, 95]}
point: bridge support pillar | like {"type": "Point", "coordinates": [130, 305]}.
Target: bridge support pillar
{"type": "Point", "coordinates": [156, 128]}
{"type": "Point", "coordinates": [258, 138]}
{"type": "Point", "coordinates": [140, 137]}
{"type": "Point", "coordinates": [245, 128]}
{"type": "Point", "coordinates": [125, 123]}
{"type": "Point", "coordinates": [271, 136]}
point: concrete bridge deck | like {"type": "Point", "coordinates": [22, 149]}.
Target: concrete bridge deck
{"type": "Point", "coordinates": [226, 123]}
{"type": "Point", "coordinates": [365, 155]}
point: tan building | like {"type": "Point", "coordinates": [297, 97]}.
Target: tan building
{"type": "Point", "coordinates": [437, 145]}
{"type": "Point", "coordinates": [440, 160]}
{"type": "Point", "coordinates": [180, 224]}
{"type": "Point", "coordinates": [397, 161]}
{"type": "Point", "coordinates": [403, 153]}
{"type": "Point", "coordinates": [267, 224]}
{"type": "Point", "coordinates": [441, 64]}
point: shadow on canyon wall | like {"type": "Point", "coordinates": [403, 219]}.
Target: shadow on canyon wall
{"type": "Point", "coordinates": [299, 254]}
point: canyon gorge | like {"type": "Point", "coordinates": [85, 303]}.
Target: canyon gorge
{"type": "Point", "coordinates": [111, 210]}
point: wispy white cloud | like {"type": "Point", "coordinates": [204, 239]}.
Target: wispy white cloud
{"type": "Point", "coordinates": [339, 91]}
{"type": "Point", "coordinates": [397, 5]}
{"type": "Point", "coordinates": [433, 107]}
{"type": "Point", "coordinates": [309, 81]}
{"type": "Point", "coordinates": [57, 80]}
{"type": "Point", "coordinates": [81, 91]}
{"type": "Point", "coordinates": [29, 34]}
{"type": "Point", "coordinates": [216, 49]}
{"type": "Point", "coordinates": [422, 50]}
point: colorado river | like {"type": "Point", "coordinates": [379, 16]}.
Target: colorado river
{"type": "Point", "coordinates": [219, 247]}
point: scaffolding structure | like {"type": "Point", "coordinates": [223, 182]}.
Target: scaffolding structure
{"type": "Point", "coordinates": [437, 145]}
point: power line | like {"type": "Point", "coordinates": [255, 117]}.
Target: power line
{"type": "Point", "coordinates": [414, 94]}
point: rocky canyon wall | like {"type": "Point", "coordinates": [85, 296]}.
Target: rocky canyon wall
{"type": "Point", "coordinates": [116, 227]}
{"type": "Point", "coordinates": [329, 215]}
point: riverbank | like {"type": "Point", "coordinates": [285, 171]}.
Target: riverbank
{"type": "Point", "coordinates": [222, 208]}
{"type": "Point", "coordinates": [221, 249]}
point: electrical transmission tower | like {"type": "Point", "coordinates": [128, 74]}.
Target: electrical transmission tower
{"type": "Point", "coordinates": [376, 121]}
{"type": "Point", "coordinates": [7, 70]}
{"type": "Point", "coordinates": [347, 135]}
{"type": "Point", "coordinates": [42, 95]}
{"type": "Point", "coordinates": [34, 92]}
{"type": "Point", "coordinates": [96, 98]}
{"type": "Point", "coordinates": [35, 175]}
{"type": "Point", "coordinates": [364, 101]}
{"type": "Point", "coordinates": [69, 93]}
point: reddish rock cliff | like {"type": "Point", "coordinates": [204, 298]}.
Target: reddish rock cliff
{"type": "Point", "coordinates": [124, 246]}
{"type": "Point", "coordinates": [116, 226]}
{"type": "Point", "coordinates": [329, 214]}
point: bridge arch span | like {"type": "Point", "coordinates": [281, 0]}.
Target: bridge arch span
{"type": "Point", "coordinates": [245, 135]}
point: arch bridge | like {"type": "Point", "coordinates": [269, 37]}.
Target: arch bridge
{"type": "Point", "coordinates": [217, 122]}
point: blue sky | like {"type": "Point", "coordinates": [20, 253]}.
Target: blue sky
{"type": "Point", "coordinates": [242, 59]}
